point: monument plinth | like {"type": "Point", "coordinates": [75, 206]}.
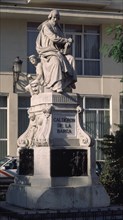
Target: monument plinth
{"type": "Point", "coordinates": [63, 158]}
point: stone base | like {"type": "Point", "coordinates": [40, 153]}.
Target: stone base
{"type": "Point", "coordinates": [64, 174]}
{"type": "Point", "coordinates": [57, 198]}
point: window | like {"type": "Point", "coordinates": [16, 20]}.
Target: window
{"type": "Point", "coordinates": [32, 33]}
{"type": "Point", "coordinates": [85, 48]}
{"type": "Point", "coordinates": [23, 121]}
{"type": "Point", "coordinates": [96, 120]}
{"type": "Point", "coordinates": [3, 126]}
{"type": "Point", "coordinates": [121, 110]}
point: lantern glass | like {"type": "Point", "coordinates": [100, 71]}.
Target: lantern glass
{"type": "Point", "coordinates": [17, 65]}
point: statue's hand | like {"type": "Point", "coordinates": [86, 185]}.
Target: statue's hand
{"type": "Point", "coordinates": [36, 81]}
{"type": "Point", "coordinates": [67, 45]}
{"type": "Point", "coordinates": [70, 40]}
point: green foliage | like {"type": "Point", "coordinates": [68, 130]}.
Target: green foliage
{"type": "Point", "coordinates": [112, 175]}
{"type": "Point", "coordinates": [111, 179]}
{"type": "Point", "coordinates": [115, 49]}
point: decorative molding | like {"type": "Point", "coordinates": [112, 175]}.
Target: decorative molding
{"type": "Point", "coordinates": [83, 136]}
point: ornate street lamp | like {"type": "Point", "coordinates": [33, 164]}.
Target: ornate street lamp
{"type": "Point", "coordinates": [17, 66]}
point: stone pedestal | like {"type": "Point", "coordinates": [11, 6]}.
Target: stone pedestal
{"type": "Point", "coordinates": [64, 174]}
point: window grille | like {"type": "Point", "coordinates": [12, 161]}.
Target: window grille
{"type": "Point", "coordinates": [3, 126]}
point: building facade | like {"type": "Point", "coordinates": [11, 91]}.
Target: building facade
{"type": "Point", "coordinates": [98, 77]}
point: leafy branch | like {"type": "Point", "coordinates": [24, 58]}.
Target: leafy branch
{"type": "Point", "coordinates": [115, 49]}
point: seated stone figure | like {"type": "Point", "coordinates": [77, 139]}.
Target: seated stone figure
{"type": "Point", "coordinates": [38, 66]}
{"type": "Point", "coordinates": [35, 86]}
{"type": "Point", "coordinates": [58, 66]}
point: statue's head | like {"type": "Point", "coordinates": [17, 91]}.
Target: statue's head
{"type": "Point", "coordinates": [54, 14]}
{"type": "Point", "coordinates": [33, 59]}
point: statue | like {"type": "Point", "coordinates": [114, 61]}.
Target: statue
{"type": "Point", "coordinates": [38, 66]}
{"type": "Point", "coordinates": [56, 69]}
{"type": "Point", "coordinates": [35, 86]}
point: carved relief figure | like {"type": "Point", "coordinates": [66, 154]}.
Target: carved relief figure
{"type": "Point", "coordinates": [76, 164]}
{"type": "Point", "coordinates": [27, 138]}
{"type": "Point", "coordinates": [58, 66]}
{"type": "Point", "coordinates": [43, 126]}
{"type": "Point", "coordinates": [38, 131]}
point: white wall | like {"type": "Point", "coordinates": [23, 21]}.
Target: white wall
{"type": "Point", "coordinates": [13, 43]}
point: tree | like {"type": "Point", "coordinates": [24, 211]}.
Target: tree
{"type": "Point", "coordinates": [115, 49]}
{"type": "Point", "coordinates": [112, 174]}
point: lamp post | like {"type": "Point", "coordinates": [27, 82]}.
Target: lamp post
{"type": "Point", "coordinates": [17, 66]}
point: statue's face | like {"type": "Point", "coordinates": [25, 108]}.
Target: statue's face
{"type": "Point", "coordinates": [33, 60]}
{"type": "Point", "coordinates": [55, 18]}
{"type": "Point", "coordinates": [35, 88]}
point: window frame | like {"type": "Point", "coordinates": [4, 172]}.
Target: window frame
{"type": "Point", "coordinates": [121, 109]}
{"type": "Point", "coordinates": [98, 139]}
{"type": "Point", "coordinates": [24, 108]}
{"type": "Point", "coordinates": [4, 139]}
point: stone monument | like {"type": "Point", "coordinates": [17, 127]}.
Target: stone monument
{"type": "Point", "coordinates": [56, 156]}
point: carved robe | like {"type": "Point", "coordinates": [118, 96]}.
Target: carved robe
{"type": "Point", "coordinates": [58, 68]}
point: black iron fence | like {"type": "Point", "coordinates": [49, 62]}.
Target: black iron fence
{"type": "Point", "coordinates": [99, 214]}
